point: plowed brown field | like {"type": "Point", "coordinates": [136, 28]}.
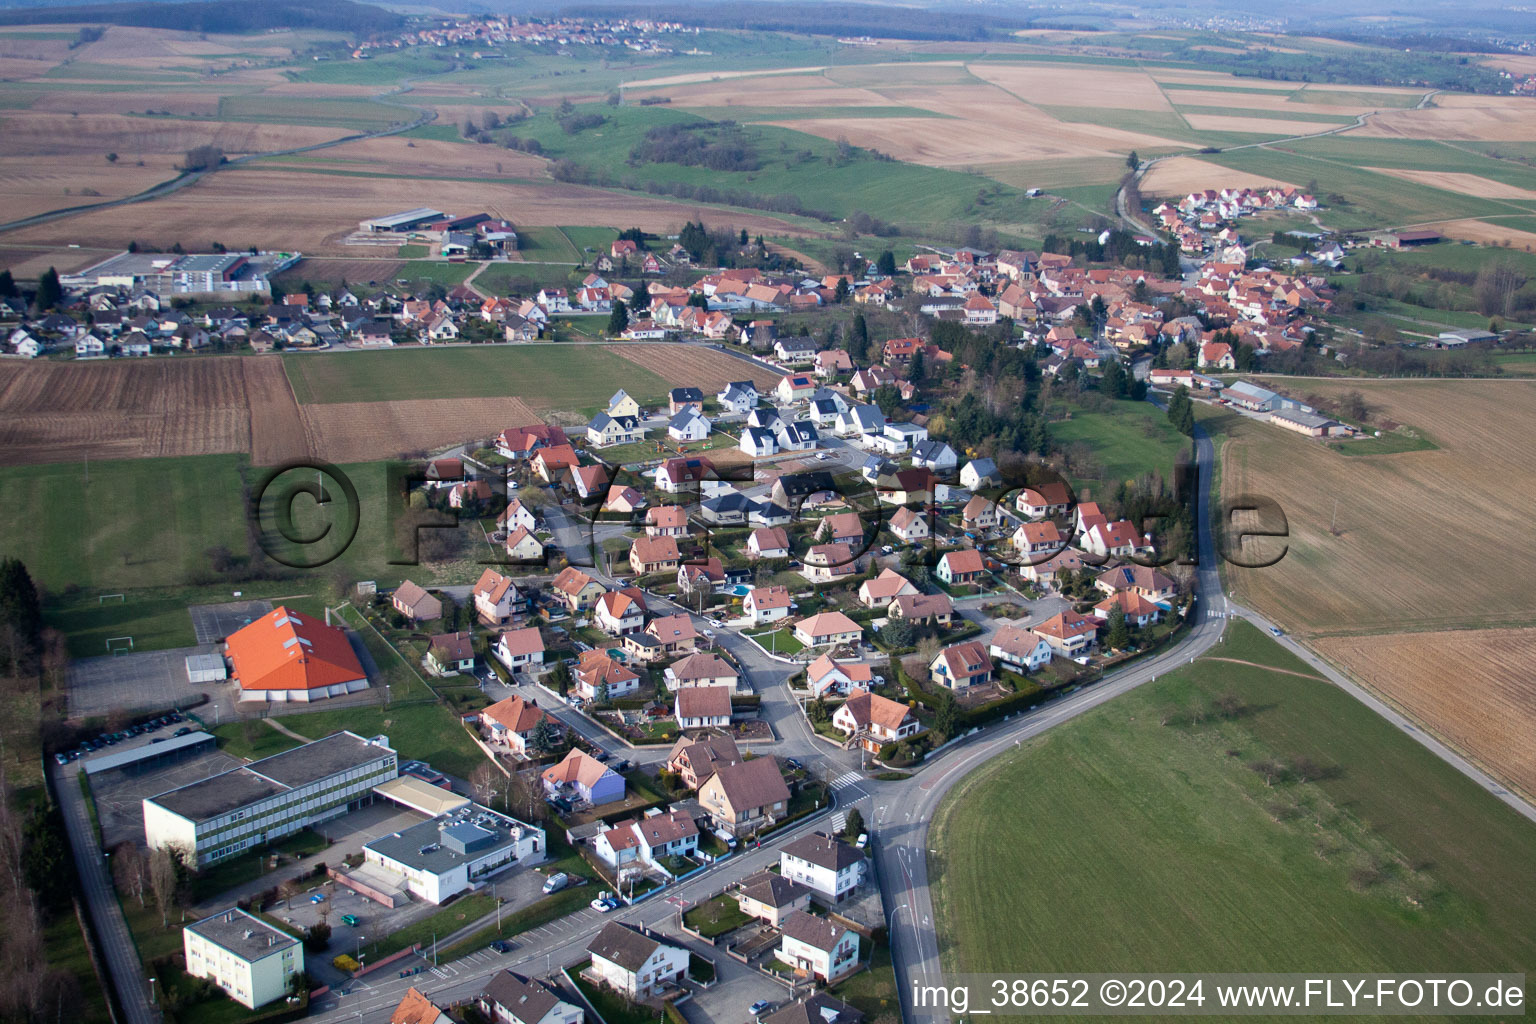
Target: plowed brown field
{"type": "Point", "coordinates": [365, 431]}
{"type": "Point", "coordinates": [57, 412]}
{"type": "Point", "coordinates": [697, 367]}
{"type": "Point", "coordinates": [277, 429]}
{"type": "Point", "coordinates": [1472, 687]}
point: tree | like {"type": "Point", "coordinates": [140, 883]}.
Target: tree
{"type": "Point", "coordinates": [915, 369]}
{"type": "Point", "coordinates": [742, 238]}
{"type": "Point", "coordinates": [562, 676]}
{"type": "Point", "coordinates": [853, 825]}
{"type": "Point", "coordinates": [129, 871]}
{"type": "Point", "coordinates": [317, 938]}
{"type": "Point", "coordinates": [886, 263]}
{"type": "Point", "coordinates": [1119, 635]}
{"type": "Point", "coordinates": [111, 158]}
{"type": "Point", "coordinates": [1133, 161]}
{"type": "Point", "coordinates": [49, 292]}
{"type": "Point", "coordinates": [545, 736]}
{"type": "Point", "coordinates": [482, 782]}
{"type": "Point", "coordinates": [164, 881]}
{"type": "Point", "coordinates": [7, 285]}
{"type": "Point", "coordinates": [202, 158]}
{"type": "Point", "coordinates": [604, 694]}
{"type": "Point", "coordinates": [946, 717]}
{"type": "Point", "coordinates": [1181, 412]}
{"type": "Point", "coordinates": [840, 293]}
{"type": "Point", "coordinates": [856, 341]}
{"type": "Point", "coordinates": [618, 320]}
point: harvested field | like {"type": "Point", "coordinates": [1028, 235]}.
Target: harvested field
{"type": "Point", "coordinates": [1466, 184]}
{"type": "Point", "coordinates": [56, 412]}
{"type": "Point", "coordinates": [1425, 540]}
{"type": "Point", "coordinates": [32, 185]}
{"type": "Point", "coordinates": [47, 133]}
{"type": "Point", "coordinates": [277, 430]}
{"type": "Point", "coordinates": [1473, 688]}
{"type": "Point", "coordinates": [182, 103]}
{"type": "Point", "coordinates": [285, 209]}
{"type": "Point", "coordinates": [1460, 117]}
{"type": "Point", "coordinates": [334, 270]}
{"type": "Point", "coordinates": [1253, 125]}
{"type": "Point", "coordinates": [1076, 85]}
{"type": "Point", "coordinates": [424, 158]}
{"type": "Point", "coordinates": [1509, 62]}
{"type": "Point", "coordinates": [1217, 79]}
{"type": "Point", "coordinates": [366, 431]}
{"type": "Point", "coordinates": [27, 264]}
{"type": "Point", "coordinates": [1488, 234]}
{"type": "Point", "coordinates": [1277, 102]}
{"type": "Point", "coordinates": [697, 367]}
{"type": "Point", "coordinates": [1180, 175]}
{"type": "Point", "coordinates": [773, 91]}
{"type": "Point", "coordinates": [693, 77]}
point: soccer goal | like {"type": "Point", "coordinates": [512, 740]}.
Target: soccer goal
{"type": "Point", "coordinates": [120, 645]}
{"type": "Point", "coordinates": [104, 598]}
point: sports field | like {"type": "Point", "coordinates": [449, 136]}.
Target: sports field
{"type": "Point", "coordinates": [1298, 831]}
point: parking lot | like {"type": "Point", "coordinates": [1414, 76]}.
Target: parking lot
{"type": "Point", "coordinates": [211, 623]}
{"type": "Point", "coordinates": [147, 681]}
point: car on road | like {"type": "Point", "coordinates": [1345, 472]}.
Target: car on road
{"type": "Point", "coordinates": [350, 920]}
{"type": "Point", "coordinates": [1276, 631]}
{"type": "Point", "coordinates": [555, 882]}
{"type": "Point", "coordinates": [823, 457]}
{"type": "Point", "coordinates": [709, 634]}
{"type": "Point", "coordinates": [759, 1008]}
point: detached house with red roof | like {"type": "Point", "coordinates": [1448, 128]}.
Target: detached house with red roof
{"type": "Point", "coordinates": [957, 568]}
{"type": "Point", "coordinates": [874, 720]}
{"type": "Point", "coordinates": [514, 721]}
{"type": "Point", "coordinates": [961, 665]}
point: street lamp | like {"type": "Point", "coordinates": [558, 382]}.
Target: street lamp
{"type": "Point", "coordinates": [151, 991]}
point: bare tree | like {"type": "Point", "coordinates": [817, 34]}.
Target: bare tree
{"type": "Point", "coordinates": [482, 782]}
{"type": "Point", "coordinates": [163, 881]}
{"type": "Point", "coordinates": [129, 870]}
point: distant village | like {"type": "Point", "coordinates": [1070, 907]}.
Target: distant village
{"type": "Point", "coordinates": [493, 32]}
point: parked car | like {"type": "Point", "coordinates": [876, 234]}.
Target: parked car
{"type": "Point", "coordinates": [318, 897]}
{"type": "Point", "coordinates": [863, 840]}
{"type": "Point", "coordinates": [501, 947]}
{"type": "Point", "coordinates": [555, 882]}
{"type": "Point", "coordinates": [792, 764]}
{"type": "Point", "coordinates": [603, 903]}
{"type": "Point", "coordinates": [759, 1008]}
{"type": "Point", "coordinates": [600, 754]}
{"type": "Point", "coordinates": [350, 920]}
{"type": "Point", "coordinates": [726, 838]}
{"type": "Point", "coordinates": [184, 730]}
{"type": "Point", "coordinates": [60, 759]}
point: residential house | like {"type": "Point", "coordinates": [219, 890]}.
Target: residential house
{"type": "Point", "coordinates": [596, 669]}
{"type": "Point", "coordinates": [666, 521]}
{"type": "Point", "coordinates": [1070, 635]}
{"type": "Point", "coordinates": [688, 425]}
{"type": "Point", "coordinates": [794, 351]}
{"type": "Point", "coordinates": [961, 665]}
{"type": "Point", "coordinates": [653, 840]}
{"type": "Point", "coordinates": [744, 796]}
{"type": "Point", "coordinates": [702, 669]}
{"type": "Point", "coordinates": [934, 455]}
{"type": "Point", "coordinates": [874, 720]}
{"type": "Point", "coordinates": [681, 399]}
{"type": "Point", "coordinates": [522, 442]}
{"type": "Point", "coordinates": [451, 652]}
{"type": "Point", "coordinates": [511, 998]}
{"type": "Point", "coordinates": [899, 351]}
{"type": "Point", "coordinates": [469, 493]}
{"type": "Point", "coordinates": [738, 397]}
{"type": "Point", "coordinates": [825, 628]}
{"type": "Point", "coordinates": [633, 963]}
{"type": "Point", "coordinates": [880, 591]}
{"type": "Point", "coordinates": [979, 514]}
{"type": "Point", "coordinates": [818, 1008]}
{"type": "Point", "coordinates": [703, 707]}
{"type": "Point", "coordinates": [923, 609]}
{"type": "Point", "coordinates": [700, 574]}
{"type": "Point", "coordinates": [1216, 355]}
{"type": "Point", "coordinates": [653, 554]}
{"type": "Point", "coordinates": [1047, 499]}
{"type": "Point", "coordinates": [415, 603]}
{"type": "Point", "coordinates": [1144, 580]}
{"type": "Point", "coordinates": [415, 1008]}
{"type": "Point", "coordinates": [588, 481]}
{"type": "Point", "coordinates": [521, 726]}
{"type": "Point", "coordinates": [620, 611]}
{"type": "Point", "coordinates": [795, 387]}
{"type": "Point", "coordinates": [1119, 539]}
{"type": "Point", "coordinates": [520, 648]}
{"type": "Point", "coordinates": [607, 430]}
{"type": "Point", "coordinates": [623, 500]}
{"type": "Point", "coordinates": [818, 947]}
{"type": "Point", "coordinates": [551, 463]}
{"type": "Point", "coordinates": [524, 547]}
{"type": "Point", "coordinates": [516, 515]}
{"type": "Point", "coordinates": [770, 897]}
{"type": "Point", "coordinates": [1138, 611]}
{"type": "Point", "coordinates": [578, 590]}
{"type": "Point", "coordinates": [958, 568]}
{"type": "Point", "coordinates": [1038, 541]}
{"type": "Point", "coordinates": [768, 542]}
{"type": "Point", "coordinates": [582, 775]}
{"type": "Point", "coordinates": [675, 633]}
{"type": "Point", "coordinates": [695, 758]}
{"type": "Point", "coordinates": [860, 421]}
{"type": "Point", "coordinates": [830, 868]}
{"type": "Point", "coordinates": [824, 563]}
{"type": "Point", "coordinates": [909, 525]}
{"type": "Point", "coordinates": [496, 597]}
{"type": "Point", "coordinates": [832, 362]}
{"type": "Point", "coordinates": [979, 473]}
{"type": "Point", "coordinates": [766, 604]}
{"type": "Point", "coordinates": [622, 405]}
{"type": "Point", "coordinates": [1019, 649]}
{"type": "Point", "coordinates": [826, 675]}
{"type": "Point", "coordinates": [676, 475]}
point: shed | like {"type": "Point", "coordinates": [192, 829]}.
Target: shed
{"type": "Point", "coordinates": [206, 668]}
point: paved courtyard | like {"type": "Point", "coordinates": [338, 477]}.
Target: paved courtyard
{"type": "Point", "coordinates": [212, 623]}
{"type": "Point", "coordinates": [146, 681]}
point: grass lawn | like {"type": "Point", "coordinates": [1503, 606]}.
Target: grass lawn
{"type": "Point", "coordinates": [874, 990]}
{"type": "Point", "coordinates": [251, 739]}
{"type": "Point", "coordinates": [716, 917]}
{"type": "Point", "coordinates": [462, 911]}
{"type": "Point", "coordinates": [1405, 439]}
{"type": "Point", "coordinates": [550, 908]}
{"type": "Point", "coordinates": [1118, 842]}
{"type": "Point", "coordinates": [611, 1007]}
{"type": "Point", "coordinates": [136, 522]}
{"type": "Point", "coordinates": [1131, 439]}
{"type": "Point", "coordinates": [435, 271]}
{"type": "Point", "coordinates": [550, 376]}
{"type": "Point", "coordinates": [779, 641]}
{"type": "Point", "coordinates": [419, 731]}
{"type": "Point", "coordinates": [547, 245]}
{"type": "Point", "coordinates": [516, 278]}
{"type": "Point", "coordinates": [64, 949]}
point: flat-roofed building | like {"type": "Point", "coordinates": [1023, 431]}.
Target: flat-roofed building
{"type": "Point", "coordinates": [249, 806]}
{"type": "Point", "coordinates": [251, 960]}
{"type": "Point", "coordinates": [448, 855]}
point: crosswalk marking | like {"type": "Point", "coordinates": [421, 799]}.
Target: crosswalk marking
{"type": "Point", "coordinates": [847, 779]}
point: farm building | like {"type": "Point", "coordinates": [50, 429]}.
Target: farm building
{"type": "Point", "coordinates": [1309, 423]}
{"type": "Point", "coordinates": [407, 220]}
